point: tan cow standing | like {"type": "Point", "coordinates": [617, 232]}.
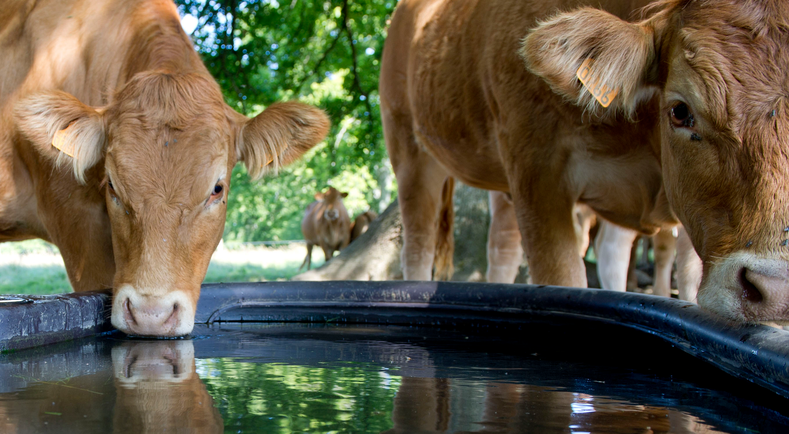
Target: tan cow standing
{"type": "Point", "coordinates": [116, 146]}
{"type": "Point", "coordinates": [326, 223]}
{"type": "Point", "coordinates": [696, 129]}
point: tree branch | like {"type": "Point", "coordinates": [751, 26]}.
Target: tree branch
{"type": "Point", "coordinates": [317, 66]}
{"type": "Point", "coordinates": [357, 85]}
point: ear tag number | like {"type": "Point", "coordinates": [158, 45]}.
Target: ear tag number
{"type": "Point", "coordinates": [61, 143]}
{"type": "Point", "coordinates": [603, 93]}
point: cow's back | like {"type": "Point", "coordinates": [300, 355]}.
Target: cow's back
{"type": "Point", "coordinates": [50, 44]}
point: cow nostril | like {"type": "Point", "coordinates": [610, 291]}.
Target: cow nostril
{"type": "Point", "coordinates": [749, 291]}
{"type": "Point", "coordinates": [173, 318]}
{"type": "Point", "coordinates": [127, 313]}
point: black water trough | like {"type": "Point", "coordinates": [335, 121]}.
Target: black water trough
{"type": "Point", "coordinates": [756, 353]}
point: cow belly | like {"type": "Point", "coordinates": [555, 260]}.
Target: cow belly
{"type": "Point", "coordinates": [475, 165]}
{"type": "Point", "coordinates": [332, 237]}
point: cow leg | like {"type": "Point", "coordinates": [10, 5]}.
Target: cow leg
{"type": "Point", "coordinates": [505, 252]}
{"type": "Point", "coordinates": [612, 248]}
{"type": "Point", "coordinates": [632, 277]}
{"type": "Point", "coordinates": [585, 218]}
{"type": "Point", "coordinates": [689, 267]}
{"type": "Point", "coordinates": [328, 252]}
{"type": "Point", "coordinates": [547, 222]}
{"type": "Point", "coordinates": [665, 244]}
{"type": "Point", "coordinates": [308, 258]}
{"type": "Point", "coordinates": [420, 200]}
{"type": "Point", "coordinates": [420, 181]}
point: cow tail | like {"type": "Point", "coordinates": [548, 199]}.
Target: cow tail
{"type": "Point", "coordinates": [445, 238]}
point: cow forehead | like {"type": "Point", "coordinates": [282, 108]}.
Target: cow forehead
{"type": "Point", "coordinates": [738, 49]}
{"type": "Point", "coordinates": [169, 154]}
{"type": "Point", "coordinates": [167, 105]}
{"type": "Point", "coordinates": [168, 136]}
{"type": "Point", "coordinates": [331, 195]}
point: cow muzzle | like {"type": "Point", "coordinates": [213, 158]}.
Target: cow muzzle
{"type": "Point", "coordinates": [749, 288]}
{"type": "Point", "coordinates": [170, 361]}
{"type": "Point", "coordinates": [139, 313]}
{"type": "Point", "coordinates": [332, 214]}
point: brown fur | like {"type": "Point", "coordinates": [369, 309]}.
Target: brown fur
{"type": "Point", "coordinates": [143, 116]}
{"type": "Point", "coordinates": [458, 100]}
{"type": "Point", "coordinates": [361, 223]}
{"type": "Point", "coordinates": [157, 389]}
{"type": "Point", "coordinates": [326, 223]}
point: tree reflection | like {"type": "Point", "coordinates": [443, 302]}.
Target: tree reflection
{"type": "Point", "coordinates": [281, 398]}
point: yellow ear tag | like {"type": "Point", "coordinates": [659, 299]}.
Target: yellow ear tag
{"type": "Point", "coordinates": [60, 142]}
{"type": "Point", "coordinates": [603, 93]}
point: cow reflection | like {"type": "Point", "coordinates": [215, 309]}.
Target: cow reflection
{"type": "Point", "coordinates": [158, 390]}
{"type": "Point", "coordinates": [430, 405]}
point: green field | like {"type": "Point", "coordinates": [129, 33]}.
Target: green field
{"type": "Point", "coordinates": [34, 267]}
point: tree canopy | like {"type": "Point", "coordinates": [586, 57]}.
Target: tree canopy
{"type": "Point", "coordinates": [321, 52]}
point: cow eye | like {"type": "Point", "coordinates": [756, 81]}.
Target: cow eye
{"type": "Point", "coordinates": [216, 194]}
{"type": "Point", "coordinates": [681, 116]}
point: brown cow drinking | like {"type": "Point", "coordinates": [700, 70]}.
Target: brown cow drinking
{"type": "Point", "coordinates": [134, 190]}
{"type": "Point", "coordinates": [697, 133]}
{"type": "Point", "coordinates": [326, 223]}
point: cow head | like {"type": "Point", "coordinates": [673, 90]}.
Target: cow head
{"type": "Point", "coordinates": [158, 389]}
{"type": "Point", "coordinates": [332, 198]}
{"type": "Point", "coordinates": [719, 71]}
{"type": "Point", "coordinates": [168, 144]}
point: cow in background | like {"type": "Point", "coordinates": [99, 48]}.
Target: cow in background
{"type": "Point", "coordinates": [504, 249]}
{"type": "Point", "coordinates": [326, 223]}
{"type": "Point", "coordinates": [116, 145]}
{"type": "Point", "coordinates": [361, 223]}
{"type": "Point", "coordinates": [616, 262]}
{"type": "Point", "coordinates": [612, 247]}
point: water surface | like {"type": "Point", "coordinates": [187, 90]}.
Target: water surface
{"type": "Point", "coordinates": [298, 378]}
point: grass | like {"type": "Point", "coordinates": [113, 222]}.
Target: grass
{"type": "Point", "coordinates": [35, 267]}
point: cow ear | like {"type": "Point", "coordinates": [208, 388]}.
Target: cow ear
{"type": "Point", "coordinates": [614, 59]}
{"type": "Point", "coordinates": [63, 129]}
{"type": "Point", "coordinates": [318, 196]}
{"type": "Point", "coordinates": [344, 194]}
{"type": "Point", "coordinates": [280, 135]}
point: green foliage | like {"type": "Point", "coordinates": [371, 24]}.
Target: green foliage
{"type": "Point", "coordinates": [27, 247]}
{"type": "Point", "coordinates": [321, 52]}
{"type": "Point", "coordinates": [278, 398]}
{"type": "Point", "coordinates": [28, 267]}
{"type": "Point", "coordinates": [33, 279]}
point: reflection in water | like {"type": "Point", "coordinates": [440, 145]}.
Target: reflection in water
{"type": "Point", "coordinates": [280, 398]}
{"type": "Point", "coordinates": [150, 387]}
{"type": "Point", "coordinates": [295, 379]}
{"type": "Point", "coordinates": [430, 405]}
{"type": "Point", "coordinates": [158, 389]}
